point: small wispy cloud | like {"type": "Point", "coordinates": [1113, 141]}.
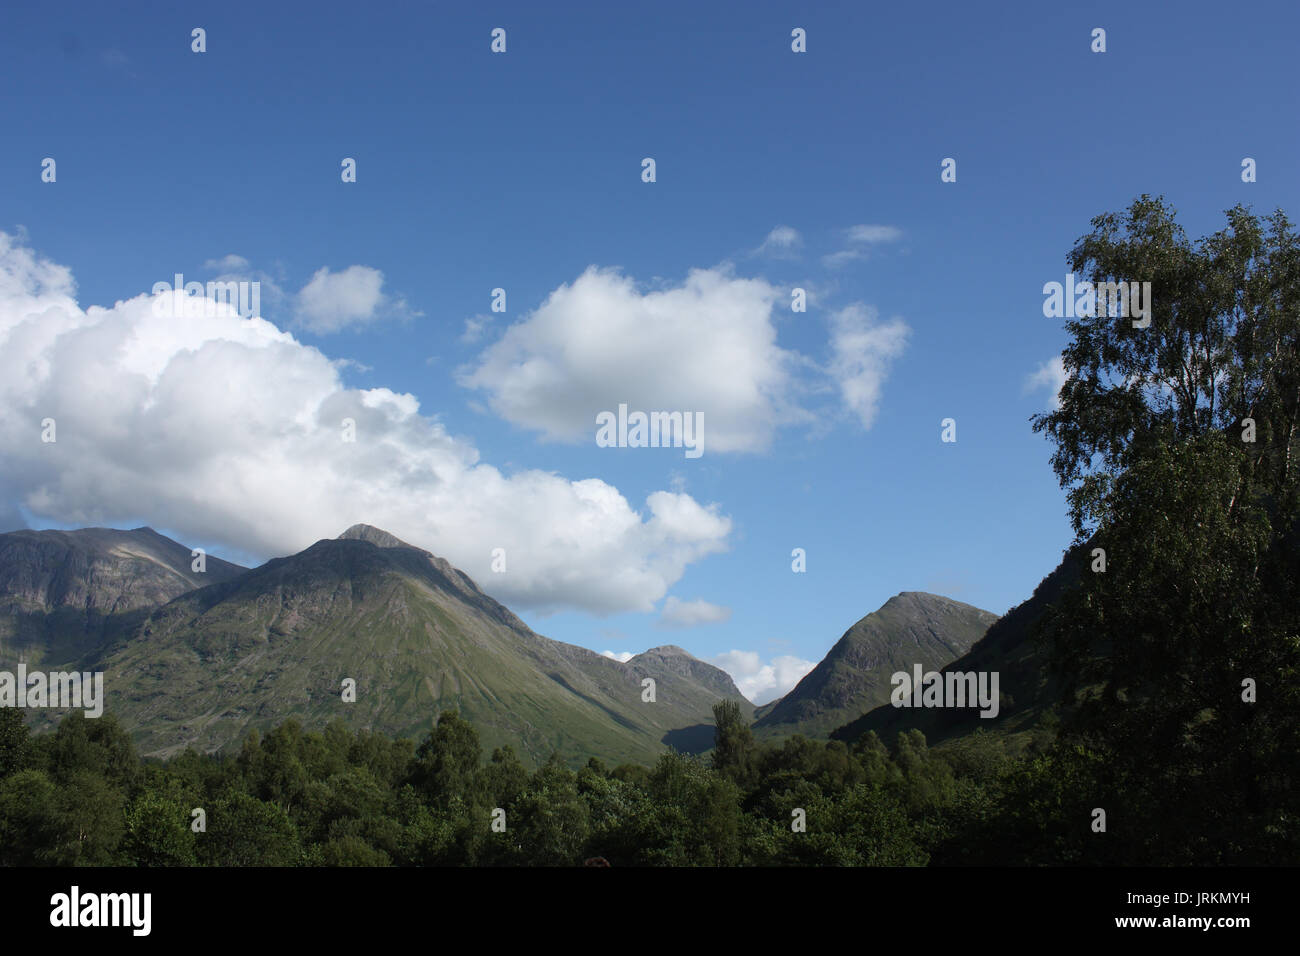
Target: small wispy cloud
{"type": "Point", "coordinates": [227, 263]}
{"type": "Point", "coordinates": [233, 267]}
{"type": "Point", "coordinates": [862, 350]}
{"type": "Point", "coordinates": [860, 238]}
{"type": "Point", "coordinates": [475, 326]}
{"type": "Point", "coordinates": [1049, 375]}
{"type": "Point", "coordinates": [781, 243]}
{"type": "Point", "coordinates": [342, 363]}
{"type": "Point", "coordinates": [874, 234]}
{"type": "Point", "coordinates": [678, 613]}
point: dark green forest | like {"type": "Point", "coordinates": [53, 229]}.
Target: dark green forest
{"type": "Point", "coordinates": [80, 796]}
{"type": "Point", "coordinates": [1176, 655]}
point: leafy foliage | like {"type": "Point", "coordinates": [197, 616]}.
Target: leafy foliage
{"type": "Point", "coordinates": [1178, 444]}
{"type": "Point", "coordinates": [340, 798]}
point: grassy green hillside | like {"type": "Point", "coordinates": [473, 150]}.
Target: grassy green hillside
{"type": "Point", "coordinates": [417, 637]}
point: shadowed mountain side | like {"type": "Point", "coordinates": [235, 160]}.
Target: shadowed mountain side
{"type": "Point", "coordinates": [1027, 692]}
{"type": "Point", "coordinates": [762, 710]}
{"type": "Point", "coordinates": [697, 739]}
{"type": "Point", "coordinates": [65, 593]}
{"type": "Point", "coordinates": [910, 628]}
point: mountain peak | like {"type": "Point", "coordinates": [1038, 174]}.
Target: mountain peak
{"type": "Point", "coordinates": [376, 536]}
{"type": "Point", "coordinates": [668, 650]}
{"type": "Point", "coordinates": [912, 627]}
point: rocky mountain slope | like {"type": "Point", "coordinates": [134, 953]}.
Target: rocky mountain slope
{"type": "Point", "coordinates": [910, 628]}
{"type": "Point", "coordinates": [62, 593]}
{"type": "Point", "coordinates": [416, 636]}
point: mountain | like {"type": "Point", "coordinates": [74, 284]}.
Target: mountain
{"type": "Point", "coordinates": [381, 539]}
{"type": "Point", "coordinates": [417, 636]}
{"type": "Point", "coordinates": [62, 593]}
{"type": "Point", "coordinates": [673, 660]}
{"type": "Point", "coordinates": [1028, 693]}
{"type": "Point", "coordinates": [763, 710]}
{"type": "Point", "coordinates": [910, 628]}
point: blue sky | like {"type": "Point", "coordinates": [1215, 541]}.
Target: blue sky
{"type": "Point", "coordinates": [522, 171]}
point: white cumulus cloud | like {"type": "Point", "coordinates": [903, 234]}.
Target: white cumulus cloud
{"type": "Point", "coordinates": [333, 301]}
{"type": "Point", "coordinates": [762, 682]}
{"type": "Point", "coordinates": [707, 345]}
{"type": "Point", "coordinates": [230, 431]}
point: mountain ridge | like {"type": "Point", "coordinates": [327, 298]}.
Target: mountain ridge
{"type": "Point", "coordinates": [63, 594]}
{"type": "Point", "coordinates": [416, 635]}
{"type": "Point", "coordinates": [912, 627]}
{"type": "Point", "coordinates": [1029, 692]}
